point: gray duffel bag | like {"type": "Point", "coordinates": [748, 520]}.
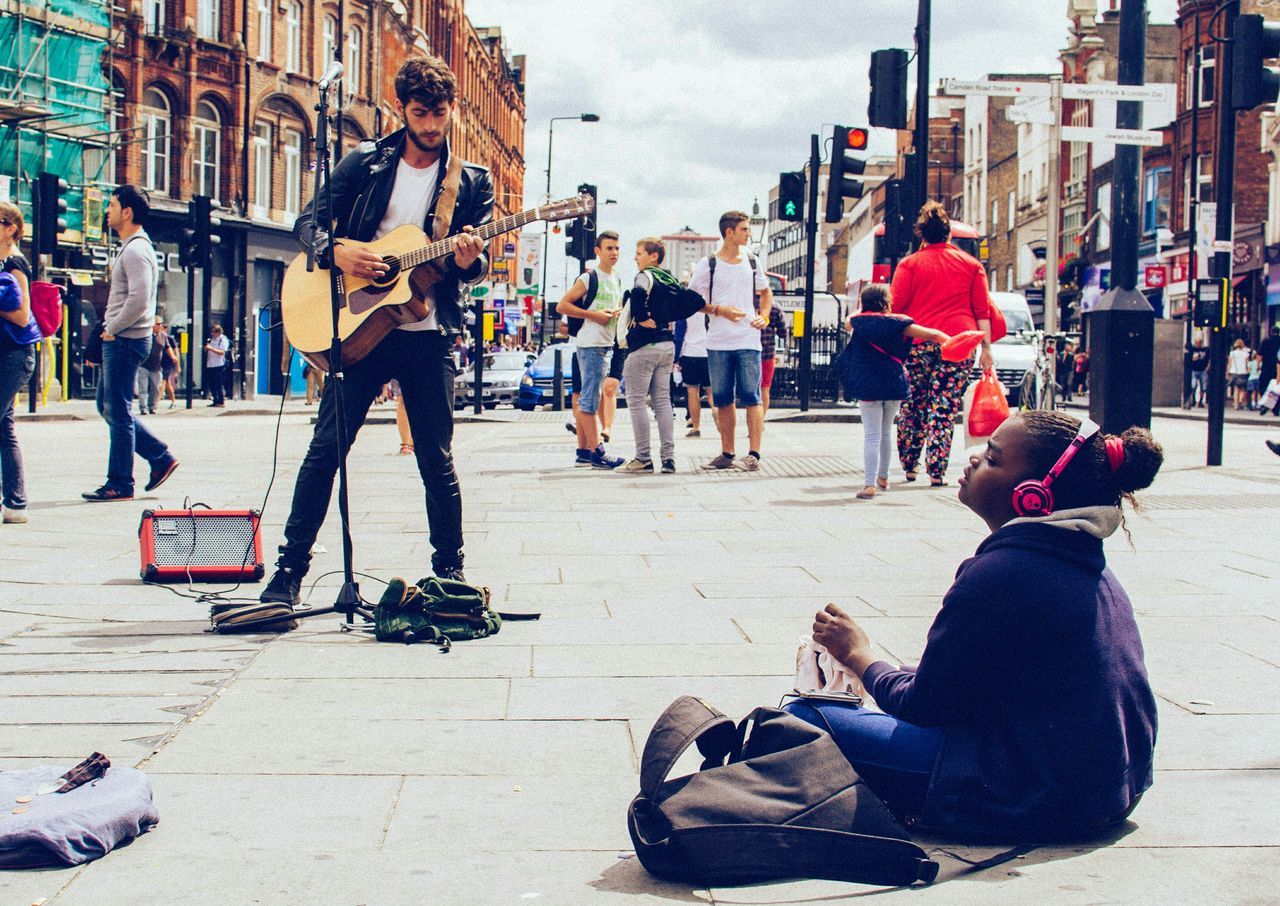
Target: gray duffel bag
{"type": "Point", "coordinates": [774, 799]}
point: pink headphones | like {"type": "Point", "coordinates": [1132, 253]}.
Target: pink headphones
{"type": "Point", "coordinates": [1033, 497]}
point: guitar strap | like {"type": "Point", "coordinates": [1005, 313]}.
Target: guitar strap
{"type": "Point", "coordinates": [419, 281]}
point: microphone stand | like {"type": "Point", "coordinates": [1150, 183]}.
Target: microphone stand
{"type": "Point", "coordinates": [348, 603]}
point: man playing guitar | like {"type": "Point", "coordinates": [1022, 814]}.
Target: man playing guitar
{"type": "Point", "coordinates": [377, 187]}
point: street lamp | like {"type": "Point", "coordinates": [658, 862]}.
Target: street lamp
{"type": "Point", "coordinates": [546, 234]}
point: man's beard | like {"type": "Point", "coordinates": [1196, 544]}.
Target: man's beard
{"type": "Point", "coordinates": [422, 146]}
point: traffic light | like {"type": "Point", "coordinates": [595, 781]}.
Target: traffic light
{"type": "Point", "coordinates": [187, 256]}
{"type": "Point", "coordinates": [840, 185]}
{"type": "Point", "coordinates": [791, 196]}
{"type": "Point", "coordinates": [49, 207]}
{"type": "Point", "coordinates": [584, 237]}
{"type": "Point", "coordinates": [1252, 81]}
{"type": "Point", "coordinates": [888, 104]}
{"type": "Point", "coordinates": [195, 247]}
{"type": "Point", "coordinates": [897, 229]}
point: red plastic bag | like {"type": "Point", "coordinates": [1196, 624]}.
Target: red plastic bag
{"type": "Point", "coordinates": [46, 305]}
{"type": "Point", "coordinates": [961, 346]}
{"type": "Point", "coordinates": [988, 408]}
{"type": "Point", "coordinates": [999, 329]}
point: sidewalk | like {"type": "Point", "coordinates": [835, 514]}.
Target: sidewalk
{"type": "Point", "coordinates": [320, 767]}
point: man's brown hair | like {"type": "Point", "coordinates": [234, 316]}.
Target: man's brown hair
{"type": "Point", "coordinates": [427, 80]}
{"type": "Point", "coordinates": [607, 234]}
{"type": "Point", "coordinates": [653, 246]}
{"type": "Point", "coordinates": [729, 220]}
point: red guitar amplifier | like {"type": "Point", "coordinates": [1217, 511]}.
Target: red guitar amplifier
{"type": "Point", "coordinates": [201, 545]}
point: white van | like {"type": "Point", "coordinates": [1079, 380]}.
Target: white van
{"type": "Point", "coordinates": [1015, 354]}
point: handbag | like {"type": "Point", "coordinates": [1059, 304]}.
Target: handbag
{"type": "Point", "coordinates": [1271, 397]}
{"type": "Point", "coordinates": [774, 799]}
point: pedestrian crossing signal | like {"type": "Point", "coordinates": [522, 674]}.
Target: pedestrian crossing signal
{"type": "Point", "coordinates": [791, 196]}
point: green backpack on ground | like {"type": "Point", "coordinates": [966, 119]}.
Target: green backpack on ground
{"type": "Point", "coordinates": [434, 610]}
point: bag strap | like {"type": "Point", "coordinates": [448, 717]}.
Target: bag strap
{"type": "Point", "coordinates": [686, 721]}
{"type": "Point", "coordinates": [593, 287]}
{"type": "Point", "coordinates": [778, 851]}
{"type": "Point", "coordinates": [877, 348]}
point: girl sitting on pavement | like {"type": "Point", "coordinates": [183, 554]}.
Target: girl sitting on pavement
{"type": "Point", "coordinates": [1029, 716]}
{"type": "Point", "coordinates": [880, 342]}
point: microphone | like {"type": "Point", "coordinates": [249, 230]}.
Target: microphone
{"type": "Point", "coordinates": [331, 75]}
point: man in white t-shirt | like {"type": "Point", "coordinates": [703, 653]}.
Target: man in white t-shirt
{"type": "Point", "coordinates": [730, 282]}
{"type": "Point", "coordinates": [215, 362]}
{"type": "Point", "coordinates": [598, 312]}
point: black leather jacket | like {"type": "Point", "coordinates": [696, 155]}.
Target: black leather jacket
{"type": "Point", "coordinates": [362, 183]}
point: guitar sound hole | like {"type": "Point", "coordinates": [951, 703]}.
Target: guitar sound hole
{"type": "Point", "coordinates": [393, 271]}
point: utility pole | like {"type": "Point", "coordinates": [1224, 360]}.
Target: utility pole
{"type": "Point", "coordinates": [1122, 324]}
{"type": "Point", "coordinates": [1224, 159]}
{"type": "Point", "coordinates": [1053, 238]}
{"type": "Point", "coordinates": [810, 251]}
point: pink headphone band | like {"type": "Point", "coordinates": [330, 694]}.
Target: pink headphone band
{"type": "Point", "coordinates": [1115, 453]}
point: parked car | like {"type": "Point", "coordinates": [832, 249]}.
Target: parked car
{"type": "Point", "coordinates": [500, 380]}
{"type": "Point", "coordinates": [537, 385]}
{"type": "Point", "coordinates": [1015, 354]}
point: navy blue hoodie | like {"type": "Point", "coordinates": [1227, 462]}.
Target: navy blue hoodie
{"type": "Point", "coordinates": [1034, 670]}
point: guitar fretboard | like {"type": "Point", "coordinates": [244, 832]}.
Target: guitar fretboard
{"type": "Point", "coordinates": [488, 231]}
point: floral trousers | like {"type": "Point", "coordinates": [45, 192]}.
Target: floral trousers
{"type": "Point", "coordinates": [926, 422]}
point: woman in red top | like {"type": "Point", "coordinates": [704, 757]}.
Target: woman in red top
{"type": "Point", "coordinates": [942, 288]}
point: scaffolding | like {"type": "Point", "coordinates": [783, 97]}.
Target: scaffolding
{"type": "Point", "coordinates": [55, 104]}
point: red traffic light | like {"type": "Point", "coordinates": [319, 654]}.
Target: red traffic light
{"type": "Point", "coordinates": [856, 139]}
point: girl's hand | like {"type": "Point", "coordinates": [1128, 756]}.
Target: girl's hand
{"type": "Point", "coordinates": [844, 639]}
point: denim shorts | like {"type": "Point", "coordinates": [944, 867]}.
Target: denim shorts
{"type": "Point", "coordinates": [593, 361]}
{"type": "Point", "coordinates": [735, 376]}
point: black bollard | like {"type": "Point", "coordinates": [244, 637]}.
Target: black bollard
{"type": "Point", "coordinates": [557, 382]}
{"type": "Point", "coordinates": [1122, 329]}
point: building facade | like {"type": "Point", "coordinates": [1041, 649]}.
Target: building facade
{"type": "Point", "coordinates": [683, 249]}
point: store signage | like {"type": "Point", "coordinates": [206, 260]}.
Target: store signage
{"type": "Point", "coordinates": [1154, 276]}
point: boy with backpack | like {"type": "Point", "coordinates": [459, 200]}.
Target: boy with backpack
{"type": "Point", "coordinates": [651, 354]}
{"type": "Point", "coordinates": [592, 305]}
{"type": "Point", "coordinates": [730, 281]}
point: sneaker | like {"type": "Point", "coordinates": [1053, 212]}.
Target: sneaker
{"type": "Point", "coordinates": [723, 461]}
{"type": "Point", "coordinates": [571, 427]}
{"type": "Point", "coordinates": [694, 432]}
{"type": "Point", "coordinates": [602, 460]}
{"type": "Point", "coordinates": [748, 463]}
{"type": "Point", "coordinates": [668, 467]}
{"type": "Point", "coordinates": [451, 572]}
{"type": "Point", "coordinates": [1271, 445]}
{"type": "Point", "coordinates": [15, 517]}
{"type": "Point", "coordinates": [638, 465]}
{"type": "Point", "coordinates": [582, 458]}
{"type": "Point", "coordinates": [106, 492]}
{"type": "Point", "coordinates": [160, 474]}
{"type": "Point", "coordinates": [285, 587]}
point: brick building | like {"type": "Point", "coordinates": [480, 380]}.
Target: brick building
{"type": "Point", "coordinates": [218, 99]}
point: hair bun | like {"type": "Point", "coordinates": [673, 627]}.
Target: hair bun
{"type": "Point", "coordinates": [1143, 457]}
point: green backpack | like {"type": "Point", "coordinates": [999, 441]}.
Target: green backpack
{"type": "Point", "coordinates": [434, 610]}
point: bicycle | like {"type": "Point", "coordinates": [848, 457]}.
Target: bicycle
{"type": "Point", "coordinates": [1039, 386]}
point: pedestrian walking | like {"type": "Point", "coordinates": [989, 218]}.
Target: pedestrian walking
{"type": "Point", "coordinates": [729, 281]}
{"type": "Point", "coordinates": [1063, 367]}
{"type": "Point", "coordinates": [1029, 715]}
{"type": "Point", "coordinates": [769, 352]}
{"type": "Point", "coordinates": [126, 342]}
{"type": "Point", "coordinates": [879, 344]}
{"type": "Point", "coordinates": [1251, 383]}
{"type": "Point", "coordinates": [943, 288]}
{"type": "Point", "coordinates": [651, 354]}
{"type": "Point", "coordinates": [151, 374]}
{"type": "Point", "coordinates": [1080, 376]}
{"type": "Point", "coordinates": [595, 300]}
{"type": "Point", "coordinates": [19, 336]}
{"type": "Point", "coordinates": [1238, 372]}
{"type": "Point", "coordinates": [315, 382]}
{"type": "Point", "coordinates": [1269, 350]}
{"type": "Point", "coordinates": [170, 366]}
{"type": "Point", "coordinates": [215, 360]}
{"type": "Point", "coordinates": [1198, 365]}
{"type": "Point", "coordinates": [609, 391]}
{"type": "Point", "coordinates": [691, 364]}
{"type": "Point", "coordinates": [401, 177]}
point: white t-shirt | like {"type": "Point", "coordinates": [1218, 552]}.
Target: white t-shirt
{"type": "Point", "coordinates": [694, 344]}
{"type": "Point", "coordinates": [735, 285]}
{"type": "Point", "coordinates": [411, 196]}
{"type": "Point", "coordinates": [1238, 361]}
{"type": "Point", "coordinates": [608, 296]}
{"type": "Point", "coordinates": [217, 359]}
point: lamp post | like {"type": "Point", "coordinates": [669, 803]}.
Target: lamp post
{"type": "Point", "coordinates": [546, 233]}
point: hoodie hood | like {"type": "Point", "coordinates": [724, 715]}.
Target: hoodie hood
{"type": "Point", "coordinates": [1098, 521]}
{"type": "Point", "coordinates": [1068, 535]}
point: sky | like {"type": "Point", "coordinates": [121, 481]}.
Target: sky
{"type": "Point", "coordinates": [703, 102]}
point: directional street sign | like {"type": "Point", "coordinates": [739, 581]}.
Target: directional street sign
{"type": "Point", "coordinates": [1156, 91]}
{"type": "Point", "coordinates": [1019, 113]}
{"type": "Point", "coordinates": [998, 89]}
{"type": "Point", "coordinates": [1112, 136]}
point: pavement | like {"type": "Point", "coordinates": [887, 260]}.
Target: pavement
{"type": "Point", "coordinates": [321, 767]}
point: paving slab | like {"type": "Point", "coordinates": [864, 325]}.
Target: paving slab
{"type": "Point", "coordinates": [253, 699]}
{"type": "Point", "coordinates": [610, 698]}
{"type": "Point", "coordinates": [342, 657]}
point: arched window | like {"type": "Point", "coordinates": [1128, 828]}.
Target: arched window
{"type": "Point", "coordinates": [292, 172]}
{"type": "Point", "coordinates": [264, 28]}
{"type": "Point", "coordinates": [157, 120]}
{"type": "Point", "coordinates": [208, 147]}
{"type": "Point", "coordinates": [262, 142]}
{"type": "Point", "coordinates": [330, 45]}
{"type": "Point", "coordinates": [293, 36]}
{"type": "Point", "coordinates": [355, 55]}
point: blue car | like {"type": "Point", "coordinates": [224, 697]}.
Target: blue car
{"type": "Point", "coordinates": [537, 385]}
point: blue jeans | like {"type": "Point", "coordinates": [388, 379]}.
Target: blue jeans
{"type": "Point", "coordinates": [877, 433]}
{"type": "Point", "coordinates": [16, 365]}
{"type": "Point", "coordinates": [593, 362]}
{"type": "Point", "coordinates": [121, 359]}
{"type": "Point", "coordinates": [735, 377]}
{"type": "Point", "coordinates": [894, 757]}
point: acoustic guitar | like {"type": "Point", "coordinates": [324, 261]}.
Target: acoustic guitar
{"type": "Point", "coordinates": [370, 309]}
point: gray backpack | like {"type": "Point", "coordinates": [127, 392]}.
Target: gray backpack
{"type": "Point", "coordinates": [778, 802]}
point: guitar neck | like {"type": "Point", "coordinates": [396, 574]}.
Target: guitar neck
{"type": "Point", "coordinates": [444, 246]}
